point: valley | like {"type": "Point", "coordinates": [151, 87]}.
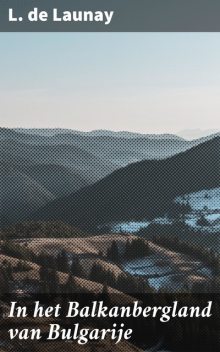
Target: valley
{"type": "Point", "coordinates": [161, 269]}
{"type": "Point", "coordinates": [46, 165]}
{"type": "Point", "coordinates": [140, 203]}
{"type": "Point", "coordinates": [100, 215]}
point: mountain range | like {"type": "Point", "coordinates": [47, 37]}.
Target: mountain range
{"type": "Point", "coordinates": [145, 189]}
{"type": "Point", "coordinates": [40, 166]}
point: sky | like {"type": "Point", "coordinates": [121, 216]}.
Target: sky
{"type": "Point", "coordinates": [141, 82]}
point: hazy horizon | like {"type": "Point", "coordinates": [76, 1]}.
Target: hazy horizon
{"type": "Point", "coordinates": [150, 83]}
{"type": "Point", "coordinates": [186, 134]}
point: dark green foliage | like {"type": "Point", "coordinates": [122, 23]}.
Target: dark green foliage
{"type": "Point", "coordinates": [105, 296]}
{"type": "Point", "coordinates": [38, 229]}
{"type": "Point", "coordinates": [46, 260]}
{"type": "Point", "coordinates": [6, 275]}
{"type": "Point", "coordinates": [101, 275]}
{"type": "Point", "coordinates": [113, 252]}
{"type": "Point", "coordinates": [16, 250]}
{"type": "Point", "coordinates": [76, 268]}
{"type": "Point", "coordinates": [130, 284]}
{"type": "Point", "coordinates": [71, 285]}
{"type": "Point", "coordinates": [123, 282]}
{"type": "Point", "coordinates": [43, 273]}
{"type": "Point", "coordinates": [202, 221]}
{"type": "Point", "coordinates": [62, 261]}
{"type": "Point", "coordinates": [100, 253]}
{"type": "Point", "coordinates": [53, 283]}
{"type": "Point", "coordinates": [22, 266]}
{"type": "Point", "coordinates": [49, 280]}
{"type": "Point", "coordinates": [172, 229]}
{"type": "Point", "coordinates": [136, 248]}
{"type": "Point", "coordinates": [205, 255]}
{"type": "Point", "coordinates": [105, 289]}
{"type": "Point", "coordinates": [44, 287]}
{"type": "Point", "coordinates": [7, 269]}
{"type": "Point", "coordinates": [4, 279]}
{"type": "Point", "coordinates": [177, 210]}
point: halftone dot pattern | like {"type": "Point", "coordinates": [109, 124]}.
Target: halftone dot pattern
{"type": "Point", "coordinates": [68, 179]}
{"type": "Point", "coordinates": [61, 194]}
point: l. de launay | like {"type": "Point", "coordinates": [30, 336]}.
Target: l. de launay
{"type": "Point", "coordinates": [82, 16]}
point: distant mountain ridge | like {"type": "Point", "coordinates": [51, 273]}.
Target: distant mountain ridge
{"type": "Point", "coordinates": [50, 164]}
{"type": "Point", "coordinates": [48, 132]}
{"type": "Point", "coordinates": [140, 190]}
{"type": "Point", "coordinates": [118, 148]}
